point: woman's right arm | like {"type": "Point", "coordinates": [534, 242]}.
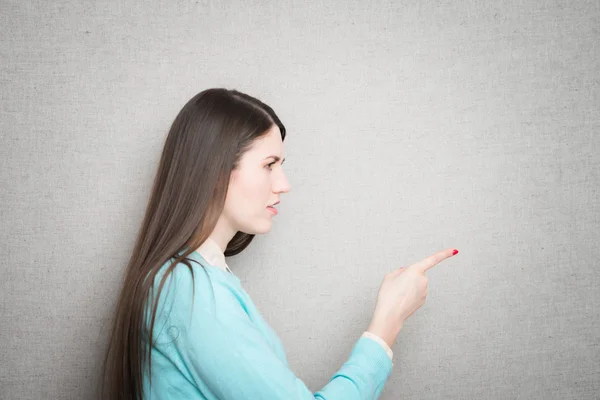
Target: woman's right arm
{"type": "Point", "coordinates": [227, 355]}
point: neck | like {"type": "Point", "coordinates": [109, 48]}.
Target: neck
{"type": "Point", "coordinates": [223, 233]}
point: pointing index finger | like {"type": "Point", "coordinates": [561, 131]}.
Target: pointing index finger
{"type": "Point", "coordinates": [434, 259]}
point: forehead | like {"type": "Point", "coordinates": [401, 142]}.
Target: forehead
{"type": "Point", "coordinates": [267, 145]}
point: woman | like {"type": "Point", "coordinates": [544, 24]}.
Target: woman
{"type": "Point", "coordinates": [218, 181]}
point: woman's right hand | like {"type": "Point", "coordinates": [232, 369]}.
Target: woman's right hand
{"type": "Point", "coordinates": [401, 293]}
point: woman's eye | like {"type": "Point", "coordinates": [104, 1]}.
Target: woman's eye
{"type": "Point", "coordinates": [270, 164]}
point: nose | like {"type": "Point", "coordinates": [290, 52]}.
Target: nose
{"type": "Point", "coordinates": [281, 184]}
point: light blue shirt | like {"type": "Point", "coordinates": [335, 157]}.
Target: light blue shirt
{"type": "Point", "coordinates": [211, 342]}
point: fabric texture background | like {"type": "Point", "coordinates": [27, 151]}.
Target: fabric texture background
{"type": "Point", "coordinates": [413, 127]}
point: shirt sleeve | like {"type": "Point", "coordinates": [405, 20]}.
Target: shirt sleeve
{"type": "Point", "coordinates": [226, 353]}
{"type": "Point", "coordinates": [382, 342]}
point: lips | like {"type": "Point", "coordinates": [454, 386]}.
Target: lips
{"type": "Point", "coordinates": [273, 210]}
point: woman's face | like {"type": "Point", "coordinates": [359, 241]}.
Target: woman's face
{"type": "Point", "coordinates": [256, 184]}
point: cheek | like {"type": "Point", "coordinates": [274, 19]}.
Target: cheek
{"type": "Point", "coordinates": [256, 187]}
{"type": "Point", "coordinates": [248, 192]}
{"type": "Point", "coordinates": [246, 202]}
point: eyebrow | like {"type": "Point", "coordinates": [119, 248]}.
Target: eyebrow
{"type": "Point", "coordinates": [276, 159]}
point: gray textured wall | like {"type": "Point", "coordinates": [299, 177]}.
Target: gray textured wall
{"type": "Point", "coordinates": [412, 127]}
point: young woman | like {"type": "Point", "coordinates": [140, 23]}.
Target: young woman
{"type": "Point", "coordinates": [184, 327]}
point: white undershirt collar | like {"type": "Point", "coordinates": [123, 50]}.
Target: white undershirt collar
{"type": "Point", "coordinates": [212, 253]}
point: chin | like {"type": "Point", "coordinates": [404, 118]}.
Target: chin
{"type": "Point", "coordinates": [260, 228]}
{"type": "Point", "coordinates": [265, 229]}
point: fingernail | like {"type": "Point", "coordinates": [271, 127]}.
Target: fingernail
{"type": "Point", "coordinates": [455, 252]}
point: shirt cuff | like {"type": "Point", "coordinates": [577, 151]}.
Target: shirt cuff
{"type": "Point", "coordinates": [382, 342]}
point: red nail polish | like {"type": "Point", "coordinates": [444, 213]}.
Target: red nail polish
{"type": "Point", "coordinates": [455, 252]}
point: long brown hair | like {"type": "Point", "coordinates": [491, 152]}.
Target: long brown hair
{"type": "Point", "coordinates": [204, 145]}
